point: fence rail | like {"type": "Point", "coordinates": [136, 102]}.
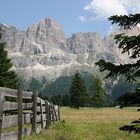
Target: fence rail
{"type": "Point", "coordinates": [24, 108]}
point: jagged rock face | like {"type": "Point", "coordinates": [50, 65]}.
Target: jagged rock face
{"type": "Point", "coordinates": [43, 50]}
{"type": "Point", "coordinates": [85, 42]}
{"type": "Point", "coordinates": [46, 31]}
{"type": "Point", "coordinates": [44, 36]}
{"type": "Point", "coordinates": [12, 37]}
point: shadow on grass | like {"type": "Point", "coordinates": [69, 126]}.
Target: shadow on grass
{"type": "Point", "coordinates": [133, 127]}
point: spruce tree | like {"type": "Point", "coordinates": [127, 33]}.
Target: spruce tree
{"type": "Point", "coordinates": [8, 77]}
{"type": "Point", "coordinates": [98, 98]}
{"type": "Point", "coordinates": [78, 92]}
{"type": "Point", "coordinates": [131, 71]}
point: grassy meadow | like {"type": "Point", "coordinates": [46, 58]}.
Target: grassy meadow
{"type": "Point", "coordinates": [90, 124]}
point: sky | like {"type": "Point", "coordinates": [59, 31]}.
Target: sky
{"type": "Point", "coordinates": [72, 15]}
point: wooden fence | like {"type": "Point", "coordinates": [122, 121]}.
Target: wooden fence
{"type": "Point", "coordinates": [27, 112]}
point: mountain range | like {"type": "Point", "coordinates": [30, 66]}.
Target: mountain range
{"type": "Point", "coordinates": [44, 51]}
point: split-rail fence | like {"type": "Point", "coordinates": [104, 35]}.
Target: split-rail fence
{"type": "Point", "coordinates": [25, 112]}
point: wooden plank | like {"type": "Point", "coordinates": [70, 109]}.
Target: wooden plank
{"type": "Point", "coordinates": [56, 107]}
{"type": "Point", "coordinates": [8, 91]}
{"type": "Point", "coordinates": [58, 113]}
{"type": "Point", "coordinates": [48, 115]}
{"type": "Point", "coordinates": [27, 105]}
{"type": "Point", "coordinates": [49, 103]}
{"type": "Point", "coordinates": [54, 113]}
{"type": "Point", "coordinates": [41, 111]}
{"type": "Point", "coordinates": [10, 106]}
{"type": "Point", "coordinates": [35, 94]}
{"type": "Point", "coordinates": [13, 93]}
{"type": "Point", "coordinates": [44, 124]}
{"type": "Point", "coordinates": [20, 111]}
{"type": "Point", "coordinates": [1, 111]}
{"type": "Point", "coordinates": [14, 105]}
{"type": "Point", "coordinates": [38, 109]}
{"type": "Point", "coordinates": [27, 118]}
{"type": "Point", "coordinates": [38, 129]}
{"type": "Point", "coordinates": [38, 118]}
{"type": "Point", "coordinates": [39, 100]}
{"type": "Point", "coordinates": [50, 112]}
{"type": "Point", "coordinates": [27, 95]}
{"type": "Point", "coordinates": [56, 110]}
{"type": "Point", "coordinates": [10, 121]}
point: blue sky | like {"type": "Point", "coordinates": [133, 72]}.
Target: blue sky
{"type": "Point", "coordinates": [73, 15]}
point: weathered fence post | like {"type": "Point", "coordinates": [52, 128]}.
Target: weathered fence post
{"type": "Point", "coordinates": [55, 115]}
{"type": "Point", "coordinates": [41, 111]}
{"type": "Point", "coordinates": [35, 94]}
{"type": "Point", "coordinates": [52, 112]}
{"type": "Point", "coordinates": [48, 115]}
{"type": "Point", "coordinates": [1, 111]}
{"type": "Point", "coordinates": [58, 113]}
{"type": "Point", "coordinates": [20, 112]}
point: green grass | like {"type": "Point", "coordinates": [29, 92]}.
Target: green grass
{"type": "Point", "coordinates": [10, 129]}
{"type": "Point", "coordinates": [90, 124]}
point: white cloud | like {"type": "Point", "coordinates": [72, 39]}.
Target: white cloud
{"type": "Point", "coordinates": [132, 6]}
{"type": "Point", "coordinates": [82, 18]}
{"type": "Point", "coordinates": [110, 30]}
{"type": "Point", "coordinates": [102, 9]}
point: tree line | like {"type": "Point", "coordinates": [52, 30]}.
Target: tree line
{"type": "Point", "coordinates": [78, 95]}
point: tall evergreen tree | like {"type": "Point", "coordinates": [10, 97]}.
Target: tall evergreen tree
{"type": "Point", "coordinates": [78, 92]}
{"type": "Point", "coordinates": [8, 77]}
{"type": "Point", "coordinates": [130, 45]}
{"type": "Point", "coordinates": [98, 98]}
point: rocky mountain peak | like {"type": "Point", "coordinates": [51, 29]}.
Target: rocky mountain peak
{"type": "Point", "coordinates": [85, 42]}
{"type": "Point", "coordinates": [48, 22]}
{"type": "Point", "coordinates": [47, 33]}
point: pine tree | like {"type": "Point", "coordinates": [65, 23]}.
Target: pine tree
{"type": "Point", "coordinates": [98, 98]}
{"type": "Point", "coordinates": [127, 44]}
{"type": "Point", "coordinates": [78, 92]}
{"type": "Point", "coordinates": [130, 45]}
{"type": "Point", "coordinates": [8, 77]}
